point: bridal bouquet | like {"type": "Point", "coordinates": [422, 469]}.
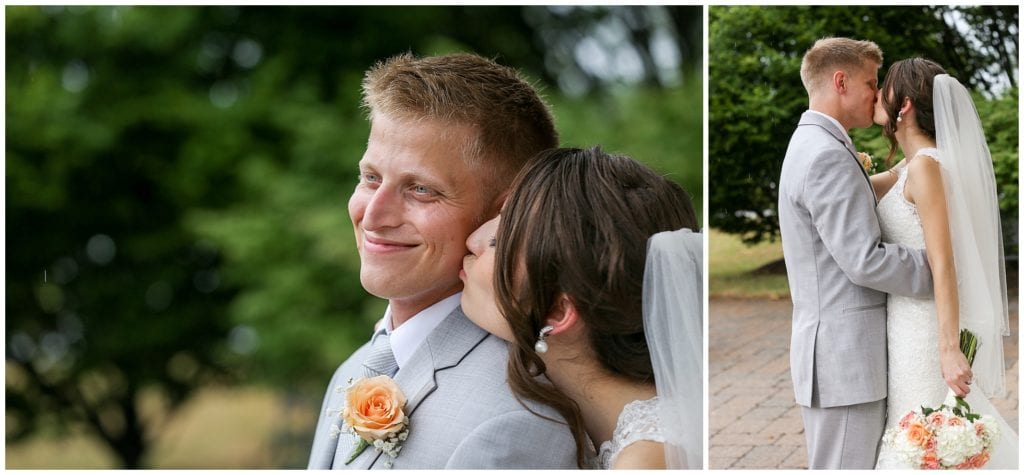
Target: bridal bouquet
{"type": "Point", "coordinates": [949, 436]}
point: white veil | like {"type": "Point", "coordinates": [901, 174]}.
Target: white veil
{"type": "Point", "coordinates": [673, 324]}
{"type": "Point", "coordinates": [975, 231]}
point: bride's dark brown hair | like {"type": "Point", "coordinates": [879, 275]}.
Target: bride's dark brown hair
{"type": "Point", "coordinates": [577, 222]}
{"type": "Point", "coordinates": [909, 78]}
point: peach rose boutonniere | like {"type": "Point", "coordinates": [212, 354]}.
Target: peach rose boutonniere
{"type": "Point", "coordinates": [865, 161]}
{"type": "Point", "coordinates": [375, 412]}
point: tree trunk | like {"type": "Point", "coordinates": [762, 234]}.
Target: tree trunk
{"type": "Point", "coordinates": [131, 444]}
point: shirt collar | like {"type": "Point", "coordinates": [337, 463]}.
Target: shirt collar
{"type": "Point", "coordinates": [846, 135]}
{"type": "Point", "coordinates": [408, 337]}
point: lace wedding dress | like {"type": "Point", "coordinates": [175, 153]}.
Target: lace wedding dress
{"type": "Point", "coordinates": [637, 421]}
{"type": "Point", "coordinates": [915, 375]}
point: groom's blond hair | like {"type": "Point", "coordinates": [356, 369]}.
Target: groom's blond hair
{"type": "Point", "coordinates": [511, 121]}
{"type": "Point", "coordinates": [829, 54]}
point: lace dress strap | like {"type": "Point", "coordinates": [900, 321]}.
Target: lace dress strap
{"type": "Point", "coordinates": [901, 182]}
{"type": "Point", "coordinates": [637, 421]}
{"type": "Point", "coordinates": [928, 151]}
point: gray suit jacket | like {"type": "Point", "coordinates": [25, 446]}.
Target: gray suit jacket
{"type": "Point", "coordinates": [839, 271]}
{"type": "Point", "coordinates": [462, 413]}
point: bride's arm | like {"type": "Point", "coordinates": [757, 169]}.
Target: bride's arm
{"type": "Point", "coordinates": [924, 185]}
{"type": "Point", "coordinates": [883, 182]}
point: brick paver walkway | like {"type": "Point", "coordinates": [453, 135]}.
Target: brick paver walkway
{"type": "Point", "coordinates": [754, 422]}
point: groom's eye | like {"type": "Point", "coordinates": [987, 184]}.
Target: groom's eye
{"type": "Point", "coordinates": [368, 177]}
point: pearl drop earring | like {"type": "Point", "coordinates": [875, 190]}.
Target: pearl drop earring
{"type": "Point", "coordinates": [542, 346]}
{"type": "Point", "coordinates": [899, 116]}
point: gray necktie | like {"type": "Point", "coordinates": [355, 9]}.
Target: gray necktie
{"type": "Point", "coordinates": [381, 360]}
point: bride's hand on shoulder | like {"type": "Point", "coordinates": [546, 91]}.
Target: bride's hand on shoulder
{"type": "Point", "coordinates": [956, 371]}
{"type": "Point", "coordinates": [641, 455]}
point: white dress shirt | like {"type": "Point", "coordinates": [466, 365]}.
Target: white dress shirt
{"type": "Point", "coordinates": [408, 337]}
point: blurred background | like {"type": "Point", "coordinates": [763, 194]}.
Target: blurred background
{"type": "Point", "coordinates": [755, 101]}
{"type": "Point", "coordinates": [181, 276]}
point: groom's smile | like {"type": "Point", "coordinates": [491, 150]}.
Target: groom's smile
{"type": "Point", "coordinates": [371, 245]}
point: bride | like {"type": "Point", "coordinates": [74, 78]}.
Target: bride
{"type": "Point", "coordinates": [942, 198]}
{"type": "Point", "coordinates": [562, 277]}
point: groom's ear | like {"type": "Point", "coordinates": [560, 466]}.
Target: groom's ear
{"type": "Point", "coordinates": [839, 81]}
{"type": "Point", "coordinates": [563, 316]}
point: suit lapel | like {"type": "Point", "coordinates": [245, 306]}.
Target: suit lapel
{"type": "Point", "coordinates": [812, 119]}
{"type": "Point", "coordinates": [345, 442]}
{"type": "Point", "coordinates": [444, 348]}
{"type": "Point", "coordinates": [333, 451]}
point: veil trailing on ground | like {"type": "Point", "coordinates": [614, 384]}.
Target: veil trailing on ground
{"type": "Point", "coordinates": [973, 208]}
{"type": "Point", "coordinates": [673, 324]}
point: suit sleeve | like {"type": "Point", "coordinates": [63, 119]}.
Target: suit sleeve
{"type": "Point", "coordinates": [842, 209]}
{"type": "Point", "coordinates": [517, 439]}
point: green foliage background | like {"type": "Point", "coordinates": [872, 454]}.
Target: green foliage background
{"type": "Point", "coordinates": [177, 180]}
{"type": "Point", "coordinates": [756, 96]}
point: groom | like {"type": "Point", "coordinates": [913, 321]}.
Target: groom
{"type": "Point", "coordinates": [447, 135]}
{"type": "Point", "coordinates": [839, 272]}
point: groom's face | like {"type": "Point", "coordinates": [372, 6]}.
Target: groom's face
{"type": "Point", "coordinates": [416, 202]}
{"type": "Point", "coordinates": [861, 89]}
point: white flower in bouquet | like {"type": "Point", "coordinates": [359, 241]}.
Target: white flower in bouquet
{"type": "Point", "coordinates": [958, 442]}
{"type": "Point", "coordinates": [904, 449]}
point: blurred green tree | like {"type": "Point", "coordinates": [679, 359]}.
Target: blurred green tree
{"type": "Point", "coordinates": [756, 96]}
{"type": "Point", "coordinates": [177, 178]}
{"type": "Point", "coordinates": [1001, 120]}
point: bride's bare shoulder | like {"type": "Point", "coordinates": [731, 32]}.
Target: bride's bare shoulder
{"type": "Point", "coordinates": [924, 180]}
{"type": "Point", "coordinates": [925, 165]}
{"type": "Point", "coordinates": [640, 455]}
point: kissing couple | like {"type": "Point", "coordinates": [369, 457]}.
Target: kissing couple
{"type": "Point", "coordinates": [544, 304]}
{"type": "Point", "coordinates": [886, 269]}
